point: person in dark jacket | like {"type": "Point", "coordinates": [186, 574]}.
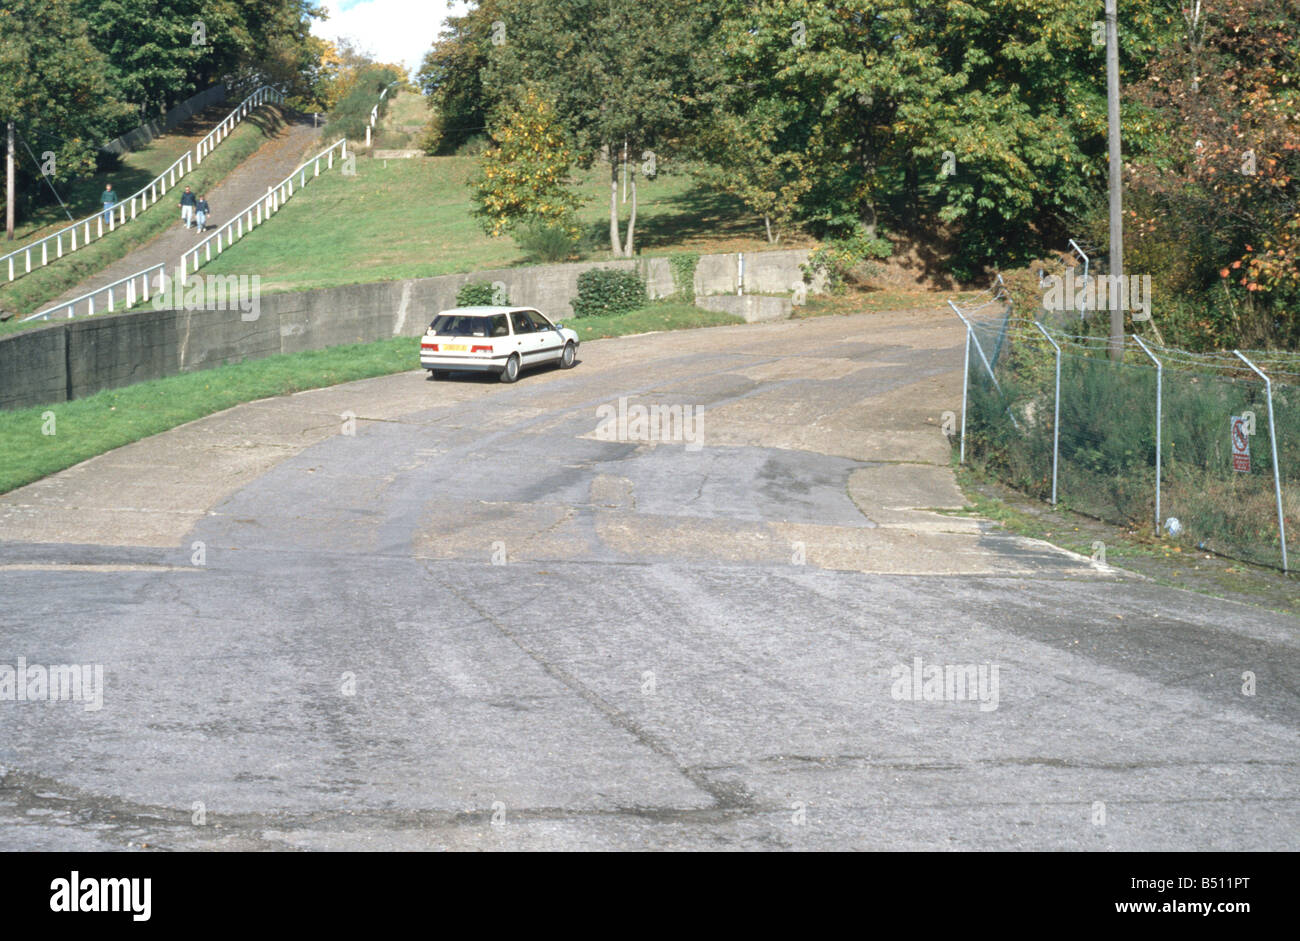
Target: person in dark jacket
{"type": "Point", "coordinates": [187, 207]}
{"type": "Point", "coordinates": [110, 201]}
{"type": "Point", "coordinates": [201, 212]}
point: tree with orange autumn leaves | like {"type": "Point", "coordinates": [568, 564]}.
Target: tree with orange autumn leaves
{"type": "Point", "coordinates": [524, 178]}
{"type": "Point", "coordinates": [1225, 178]}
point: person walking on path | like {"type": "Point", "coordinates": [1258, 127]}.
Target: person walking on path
{"type": "Point", "coordinates": [201, 212]}
{"type": "Point", "coordinates": [110, 202]}
{"type": "Point", "coordinates": [187, 207]}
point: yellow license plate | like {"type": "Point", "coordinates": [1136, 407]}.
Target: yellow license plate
{"type": "Point", "coordinates": [454, 347]}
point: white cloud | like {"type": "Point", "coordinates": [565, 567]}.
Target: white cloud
{"type": "Point", "coordinates": [391, 30]}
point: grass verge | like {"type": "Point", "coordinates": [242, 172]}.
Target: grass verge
{"type": "Point", "coordinates": [87, 427]}
{"type": "Point", "coordinates": [1133, 550]}
{"type": "Point", "coordinates": [868, 300]}
{"type": "Point", "coordinates": [668, 315]}
{"type": "Point", "coordinates": [31, 292]}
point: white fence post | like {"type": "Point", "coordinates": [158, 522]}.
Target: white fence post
{"type": "Point", "coordinates": [1272, 437]}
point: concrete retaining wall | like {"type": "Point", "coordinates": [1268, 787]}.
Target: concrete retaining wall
{"type": "Point", "coordinates": [80, 357]}
{"type": "Point", "coordinates": [752, 308]}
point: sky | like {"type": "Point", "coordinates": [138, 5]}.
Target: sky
{"type": "Point", "coordinates": [391, 30]}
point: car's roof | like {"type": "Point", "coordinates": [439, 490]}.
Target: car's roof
{"type": "Point", "coordinates": [485, 311]}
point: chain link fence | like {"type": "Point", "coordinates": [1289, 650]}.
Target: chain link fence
{"type": "Point", "coordinates": [1200, 448]}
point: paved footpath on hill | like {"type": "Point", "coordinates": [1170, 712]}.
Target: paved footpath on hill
{"type": "Point", "coordinates": [272, 162]}
{"type": "Point", "coordinates": [405, 614]}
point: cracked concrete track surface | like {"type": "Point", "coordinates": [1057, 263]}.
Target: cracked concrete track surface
{"type": "Point", "coordinates": [473, 618]}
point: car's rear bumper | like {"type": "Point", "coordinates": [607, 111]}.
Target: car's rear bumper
{"type": "Point", "coordinates": [477, 363]}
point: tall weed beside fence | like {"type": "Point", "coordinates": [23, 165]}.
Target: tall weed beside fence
{"type": "Point", "coordinates": [1105, 445]}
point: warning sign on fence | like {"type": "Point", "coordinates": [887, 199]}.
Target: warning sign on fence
{"type": "Point", "coordinates": [1240, 444]}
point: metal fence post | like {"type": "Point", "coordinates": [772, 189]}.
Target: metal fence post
{"type": "Point", "coordinates": [1160, 382]}
{"type": "Point", "coordinates": [1272, 437]}
{"type": "Point", "coordinates": [979, 349]}
{"type": "Point", "coordinates": [965, 384]}
{"type": "Point", "coordinates": [1056, 410]}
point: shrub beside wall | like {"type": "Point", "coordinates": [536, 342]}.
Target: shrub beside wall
{"type": "Point", "coordinates": [481, 294]}
{"type": "Point", "coordinates": [609, 291]}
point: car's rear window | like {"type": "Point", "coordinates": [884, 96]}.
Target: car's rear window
{"type": "Point", "coordinates": [450, 325]}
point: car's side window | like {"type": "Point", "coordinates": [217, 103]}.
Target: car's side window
{"type": "Point", "coordinates": [522, 322]}
{"type": "Point", "coordinates": [499, 328]}
{"type": "Point", "coordinates": [540, 322]}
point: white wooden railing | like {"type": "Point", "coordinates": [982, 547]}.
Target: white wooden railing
{"type": "Point", "coordinates": [65, 241]}
{"type": "Point", "coordinates": [133, 289]}
{"type": "Point", "coordinates": [374, 114]}
{"type": "Point", "coordinates": [258, 212]}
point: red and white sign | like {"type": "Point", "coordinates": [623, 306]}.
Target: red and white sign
{"type": "Point", "coordinates": [1240, 445]}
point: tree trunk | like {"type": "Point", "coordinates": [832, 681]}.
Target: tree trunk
{"type": "Point", "coordinates": [869, 219]}
{"type": "Point", "coordinates": [613, 204]}
{"type": "Point", "coordinates": [631, 221]}
{"type": "Point", "coordinates": [767, 224]}
{"type": "Point", "coordinates": [913, 186]}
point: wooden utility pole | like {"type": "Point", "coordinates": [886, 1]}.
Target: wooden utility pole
{"type": "Point", "coordinates": [9, 185]}
{"type": "Point", "coordinates": [1116, 183]}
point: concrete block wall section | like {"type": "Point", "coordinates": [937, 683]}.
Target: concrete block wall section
{"type": "Point", "coordinates": [753, 308]}
{"type": "Point", "coordinates": [81, 357]}
{"type": "Point", "coordinates": [34, 370]}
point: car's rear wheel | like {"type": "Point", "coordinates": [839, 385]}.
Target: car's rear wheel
{"type": "Point", "coordinates": [437, 374]}
{"type": "Point", "coordinates": [511, 371]}
{"type": "Point", "coordinates": [568, 357]}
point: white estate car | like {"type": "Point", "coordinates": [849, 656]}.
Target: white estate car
{"type": "Point", "coordinates": [502, 340]}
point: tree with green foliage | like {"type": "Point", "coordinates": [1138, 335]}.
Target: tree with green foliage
{"type": "Point", "coordinates": [352, 114]}
{"type": "Point", "coordinates": [619, 75]}
{"type": "Point", "coordinates": [986, 118]}
{"type": "Point", "coordinates": [160, 52]}
{"type": "Point", "coordinates": [748, 153]}
{"type": "Point", "coordinates": [54, 85]}
{"type": "Point", "coordinates": [153, 53]}
{"type": "Point", "coordinates": [450, 78]}
{"type": "Point", "coordinates": [1216, 207]}
{"type": "Point", "coordinates": [524, 179]}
